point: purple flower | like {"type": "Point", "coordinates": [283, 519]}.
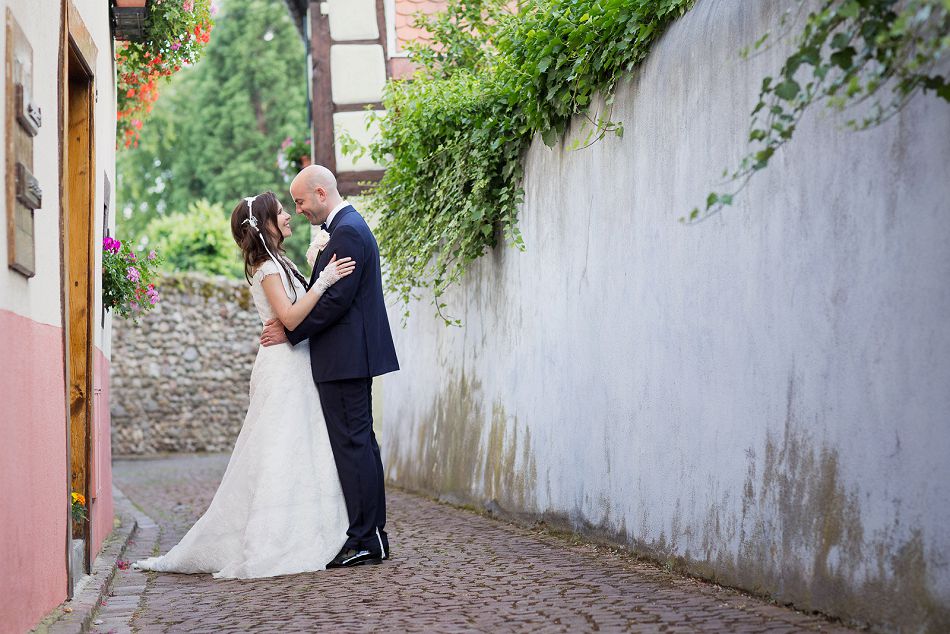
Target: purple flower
{"type": "Point", "coordinates": [152, 255]}
{"type": "Point", "coordinates": [132, 274]}
{"type": "Point", "coordinates": [176, 46]}
{"type": "Point", "coordinates": [214, 9]}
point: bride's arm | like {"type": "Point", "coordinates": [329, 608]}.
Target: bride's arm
{"type": "Point", "coordinates": [292, 314]}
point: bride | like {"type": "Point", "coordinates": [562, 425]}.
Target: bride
{"type": "Point", "coordinates": [279, 508]}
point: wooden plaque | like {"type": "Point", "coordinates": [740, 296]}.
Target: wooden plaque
{"type": "Point", "coordinates": [24, 194]}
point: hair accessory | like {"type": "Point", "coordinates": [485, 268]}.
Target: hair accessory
{"type": "Point", "coordinates": [251, 220]}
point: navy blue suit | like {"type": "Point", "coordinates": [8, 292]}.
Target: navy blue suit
{"type": "Point", "coordinates": [350, 343]}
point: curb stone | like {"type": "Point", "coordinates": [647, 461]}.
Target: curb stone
{"type": "Point", "coordinates": [125, 593]}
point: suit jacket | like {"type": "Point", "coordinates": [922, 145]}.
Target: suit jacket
{"type": "Point", "coordinates": [348, 329]}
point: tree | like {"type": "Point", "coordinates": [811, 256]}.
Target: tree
{"type": "Point", "coordinates": [216, 130]}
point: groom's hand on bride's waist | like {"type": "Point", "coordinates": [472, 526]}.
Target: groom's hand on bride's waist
{"type": "Point", "coordinates": [273, 333]}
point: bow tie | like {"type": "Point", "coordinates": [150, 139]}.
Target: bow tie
{"type": "Point", "coordinates": [324, 227]}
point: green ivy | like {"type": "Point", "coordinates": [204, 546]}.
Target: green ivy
{"type": "Point", "coordinates": [453, 138]}
{"type": "Point", "coordinates": [874, 53]}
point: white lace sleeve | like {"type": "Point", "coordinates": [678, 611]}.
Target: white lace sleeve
{"type": "Point", "coordinates": [265, 269]}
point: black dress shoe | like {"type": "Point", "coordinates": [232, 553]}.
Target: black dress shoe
{"type": "Point", "coordinates": [349, 557]}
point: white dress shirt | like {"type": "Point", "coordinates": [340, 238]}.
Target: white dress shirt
{"type": "Point", "coordinates": [335, 211]}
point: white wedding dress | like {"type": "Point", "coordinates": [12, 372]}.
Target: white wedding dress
{"type": "Point", "coordinates": [279, 508]}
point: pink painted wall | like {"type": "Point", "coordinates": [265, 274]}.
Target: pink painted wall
{"type": "Point", "coordinates": [102, 510]}
{"type": "Point", "coordinates": [33, 465]}
{"type": "Point", "coordinates": [33, 468]}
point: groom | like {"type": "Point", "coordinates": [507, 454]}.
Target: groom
{"type": "Point", "coordinates": [350, 343]}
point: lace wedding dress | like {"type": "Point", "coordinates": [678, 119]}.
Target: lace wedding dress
{"type": "Point", "coordinates": [279, 508]}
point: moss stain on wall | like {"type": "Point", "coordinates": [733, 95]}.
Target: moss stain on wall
{"type": "Point", "coordinates": [802, 541]}
{"type": "Point", "coordinates": [800, 535]}
{"type": "Point", "coordinates": [463, 454]}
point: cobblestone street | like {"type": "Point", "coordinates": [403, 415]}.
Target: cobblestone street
{"type": "Point", "coordinates": [451, 571]}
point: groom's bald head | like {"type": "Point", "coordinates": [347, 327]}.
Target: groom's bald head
{"type": "Point", "coordinates": [315, 193]}
{"type": "Point", "coordinates": [314, 176]}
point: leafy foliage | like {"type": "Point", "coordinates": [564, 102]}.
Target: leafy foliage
{"type": "Point", "coordinates": [461, 35]}
{"type": "Point", "coordinates": [199, 240]}
{"type": "Point", "coordinates": [871, 55]}
{"type": "Point", "coordinates": [453, 137]}
{"type": "Point", "coordinates": [214, 133]}
{"type": "Point", "coordinates": [176, 33]}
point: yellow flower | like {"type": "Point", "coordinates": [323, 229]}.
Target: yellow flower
{"type": "Point", "coordinates": [78, 497]}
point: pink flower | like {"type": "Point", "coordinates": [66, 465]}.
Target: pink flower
{"type": "Point", "coordinates": [188, 5]}
{"type": "Point", "coordinates": [134, 306]}
{"type": "Point", "coordinates": [176, 46]}
{"type": "Point", "coordinates": [111, 245]}
{"type": "Point", "coordinates": [132, 274]}
{"type": "Point", "coordinates": [286, 143]}
{"type": "Point", "coordinates": [132, 257]}
{"type": "Point", "coordinates": [152, 294]}
{"type": "Point", "coordinates": [152, 255]}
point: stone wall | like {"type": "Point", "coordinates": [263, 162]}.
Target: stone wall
{"type": "Point", "coordinates": [180, 377]}
{"type": "Point", "coordinates": [762, 399]}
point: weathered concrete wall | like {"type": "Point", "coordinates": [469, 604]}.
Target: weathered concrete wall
{"type": "Point", "coordinates": [762, 399]}
{"type": "Point", "coordinates": [180, 378]}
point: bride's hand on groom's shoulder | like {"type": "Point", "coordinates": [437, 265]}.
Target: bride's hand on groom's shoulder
{"type": "Point", "coordinates": [273, 333]}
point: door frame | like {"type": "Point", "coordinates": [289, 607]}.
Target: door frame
{"type": "Point", "coordinates": [77, 55]}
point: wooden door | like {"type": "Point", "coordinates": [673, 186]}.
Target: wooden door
{"type": "Point", "coordinates": [78, 263]}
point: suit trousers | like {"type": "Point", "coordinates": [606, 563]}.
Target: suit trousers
{"type": "Point", "coordinates": [347, 407]}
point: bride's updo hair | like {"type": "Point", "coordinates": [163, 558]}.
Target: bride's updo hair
{"type": "Point", "coordinates": [265, 209]}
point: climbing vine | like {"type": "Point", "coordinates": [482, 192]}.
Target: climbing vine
{"type": "Point", "coordinates": [453, 138]}
{"type": "Point", "coordinates": [869, 57]}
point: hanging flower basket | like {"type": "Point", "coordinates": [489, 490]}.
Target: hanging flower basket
{"type": "Point", "coordinates": [128, 19]}
{"type": "Point", "coordinates": [127, 288]}
{"type": "Point", "coordinates": [175, 35]}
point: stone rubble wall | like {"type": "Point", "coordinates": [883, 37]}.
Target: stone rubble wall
{"type": "Point", "coordinates": [180, 377]}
